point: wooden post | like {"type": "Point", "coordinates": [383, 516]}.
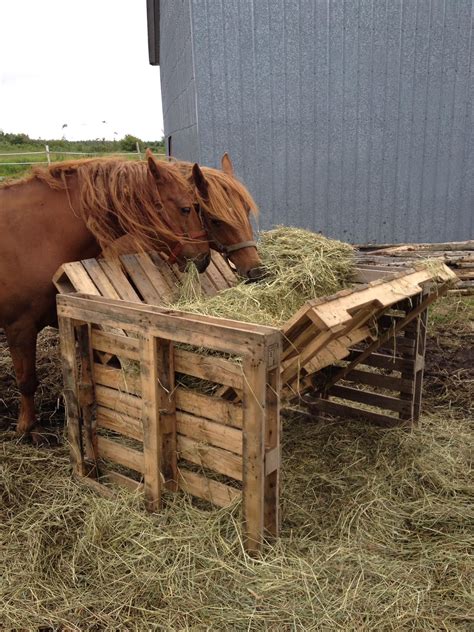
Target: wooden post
{"type": "Point", "coordinates": [272, 439]}
{"type": "Point", "coordinates": [138, 150]}
{"type": "Point", "coordinates": [253, 494]}
{"type": "Point", "coordinates": [86, 398]}
{"type": "Point", "coordinates": [158, 418]}
{"type": "Point", "coordinates": [69, 365]}
{"type": "Point", "coordinates": [48, 154]}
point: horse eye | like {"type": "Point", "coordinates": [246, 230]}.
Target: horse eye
{"type": "Point", "coordinates": [216, 223]}
{"type": "Point", "coordinates": [186, 210]}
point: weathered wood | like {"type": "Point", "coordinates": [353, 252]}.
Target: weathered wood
{"type": "Point", "coordinates": [121, 454]}
{"type": "Point", "coordinates": [379, 379]}
{"type": "Point", "coordinates": [212, 408]}
{"type": "Point", "coordinates": [69, 366]}
{"type": "Point", "coordinates": [344, 411]}
{"type": "Point", "coordinates": [214, 434]}
{"type": "Point", "coordinates": [254, 403]}
{"type": "Point", "coordinates": [210, 368]}
{"type": "Point", "coordinates": [213, 491]}
{"type": "Point", "coordinates": [207, 456]}
{"type": "Point", "coordinates": [99, 278]}
{"type": "Point", "coordinates": [372, 399]}
{"type": "Point", "coordinates": [85, 388]}
{"type": "Point", "coordinates": [143, 284]}
{"type": "Point", "coordinates": [114, 344]}
{"type": "Point", "coordinates": [111, 476]}
{"type": "Point", "coordinates": [150, 415]}
{"type": "Point", "coordinates": [271, 492]}
{"type": "Point", "coordinates": [118, 422]}
{"type": "Point", "coordinates": [113, 271]}
{"type": "Point", "coordinates": [120, 402]}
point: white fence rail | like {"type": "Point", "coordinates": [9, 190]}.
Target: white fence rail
{"type": "Point", "coordinates": [50, 156]}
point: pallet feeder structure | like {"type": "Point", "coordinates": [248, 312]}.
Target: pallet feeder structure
{"type": "Point", "coordinates": [163, 400]}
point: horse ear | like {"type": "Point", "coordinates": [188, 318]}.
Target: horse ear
{"type": "Point", "coordinates": [200, 181]}
{"type": "Point", "coordinates": [227, 166]}
{"type": "Point", "coordinates": [157, 171]}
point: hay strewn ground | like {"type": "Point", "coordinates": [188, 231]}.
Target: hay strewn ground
{"type": "Point", "coordinates": [377, 535]}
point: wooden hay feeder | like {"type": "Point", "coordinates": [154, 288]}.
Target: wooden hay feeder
{"type": "Point", "coordinates": [159, 399]}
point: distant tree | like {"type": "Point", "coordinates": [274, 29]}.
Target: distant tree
{"type": "Point", "coordinates": [129, 143]}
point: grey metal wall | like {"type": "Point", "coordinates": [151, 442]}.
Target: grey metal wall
{"type": "Point", "coordinates": [354, 117]}
{"type": "Point", "coordinates": [177, 78]}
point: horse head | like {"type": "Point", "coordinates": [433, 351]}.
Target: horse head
{"type": "Point", "coordinates": [226, 205]}
{"type": "Point", "coordinates": [187, 240]}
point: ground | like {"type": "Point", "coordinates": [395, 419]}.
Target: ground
{"type": "Point", "coordinates": [377, 530]}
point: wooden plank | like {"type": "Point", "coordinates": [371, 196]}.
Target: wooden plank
{"type": "Point", "coordinates": [372, 399]}
{"type": "Point", "coordinates": [253, 495]}
{"type": "Point", "coordinates": [215, 459]}
{"type": "Point", "coordinates": [382, 361]}
{"type": "Point", "coordinates": [115, 344]}
{"type": "Point", "coordinates": [151, 422]}
{"type": "Point", "coordinates": [120, 402]}
{"type": "Point", "coordinates": [119, 422]}
{"type": "Point", "coordinates": [79, 278]}
{"type": "Point", "coordinates": [121, 454]}
{"type": "Point", "coordinates": [271, 517]}
{"type": "Point", "coordinates": [117, 478]}
{"type": "Point", "coordinates": [85, 389]}
{"type": "Point", "coordinates": [216, 277]}
{"type": "Point", "coordinates": [116, 276]}
{"type": "Point", "coordinates": [70, 375]}
{"type": "Point", "coordinates": [167, 410]}
{"type": "Point", "coordinates": [210, 368]}
{"type": "Point", "coordinates": [117, 379]}
{"type": "Point", "coordinates": [166, 273]}
{"type": "Point", "coordinates": [214, 492]}
{"type": "Point", "coordinates": [215, 333]}
{"type": "Point", "coordinates": [100, 279]}
{"type": "Point", "coordinates": [349, 412]}
{"type": "Point", "coordinates": [142, 282]}
{"type": "Point", "coordinates": [223, 267]}
{"type": "Point", "coordinates": [163, 285]}
{"type": "Point", "coordinates": [380, 380]}
{"type": "Point", "coordinates": [214, 434]}
{"type": "Point", "coordinates": [212, 408]}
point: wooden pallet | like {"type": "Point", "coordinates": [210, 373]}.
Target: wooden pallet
{"type": "Point", "coordinates": [459, 256]}
{"type": "Point", "coordinates": [159, 399]}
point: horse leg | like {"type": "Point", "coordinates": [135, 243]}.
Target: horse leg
{"type": "Point", "coordinates": [21, 338]}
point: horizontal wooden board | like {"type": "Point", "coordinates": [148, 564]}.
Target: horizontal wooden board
{"type": "Point", "coordinates": [372, 399]}
{"type": "Point", "coordinates": [213, 491]}
{"type": "Point", "coordinates": [120, 402]}
{"type": "Point", "coordinates": [206, 367]}
{"type": "Point", "coordinates": [123, 346]}
{"type": "Point", "coordinates": [379, 380]}
{"type": "Point", "coordinates": [119, 422]}
{"type": "Point", "coordinates": [209, 457]}
{"type": "Point", "coordinates": [212, 408]}
{"type": "Point", "coordinates": [214, 434]}
{"type": "Point", "coordinates": [121, 454]}
{"type": "Point", "coordinates": [349, 412]}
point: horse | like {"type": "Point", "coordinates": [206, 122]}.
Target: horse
{"type": "Point", "coordinates": [71, 211]}
{"type": "Point", "coordinates": [226, 205]}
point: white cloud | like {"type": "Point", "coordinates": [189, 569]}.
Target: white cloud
{"type": "Point", "coordinates": [80, 64]}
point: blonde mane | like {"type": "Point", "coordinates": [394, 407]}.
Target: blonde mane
{"type": "Point", "coordinates": [116, 197]}
{"type": "Point", "coordinates": [228, 199]}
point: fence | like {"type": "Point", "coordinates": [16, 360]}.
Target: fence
{"type": "Point", "coordinates": [52, 156]}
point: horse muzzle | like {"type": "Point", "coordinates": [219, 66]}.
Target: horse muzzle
{"type": "Point", "coordinates": [202, 261]}
{"type": "Point", "coordinates": [256, 274]}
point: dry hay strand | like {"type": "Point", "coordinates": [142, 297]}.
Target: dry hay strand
{"type": "Point", "coordinates": [301, 265]}
{"type": "Point", "coordinates": [377, 535]}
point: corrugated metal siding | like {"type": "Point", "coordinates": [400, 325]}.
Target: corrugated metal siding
{"type": "Point", "coordinates": [350, 117]}
{"type": "Point", "coordinates": [177, 79]}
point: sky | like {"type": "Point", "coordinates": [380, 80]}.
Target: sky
{"type": "Point", "coordinates": [81, 64]}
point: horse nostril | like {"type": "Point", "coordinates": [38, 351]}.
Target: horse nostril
{"type": "Point", "coordinates": [202, 262]}
{"type": "Point", "coordinates": [257, 274]}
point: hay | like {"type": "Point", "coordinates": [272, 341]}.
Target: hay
{"type": "Point", "coordinates": [377, 535]}
{"type": "Point", "coordinates": [301, 265]}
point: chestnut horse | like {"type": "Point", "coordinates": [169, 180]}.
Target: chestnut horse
{"type": "Point", "coordinates": [71, 211]}
{"type": "Point", "coordinates": [226, 206]}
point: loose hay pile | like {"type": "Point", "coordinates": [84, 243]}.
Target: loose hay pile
{"type": "Point", "coordinates": [301, 265]}
{"type": "Point", "coordinates": [377, 535]}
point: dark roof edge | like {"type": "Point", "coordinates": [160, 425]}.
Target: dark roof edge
{"type": "Point", "coordinates": [153, 20]}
